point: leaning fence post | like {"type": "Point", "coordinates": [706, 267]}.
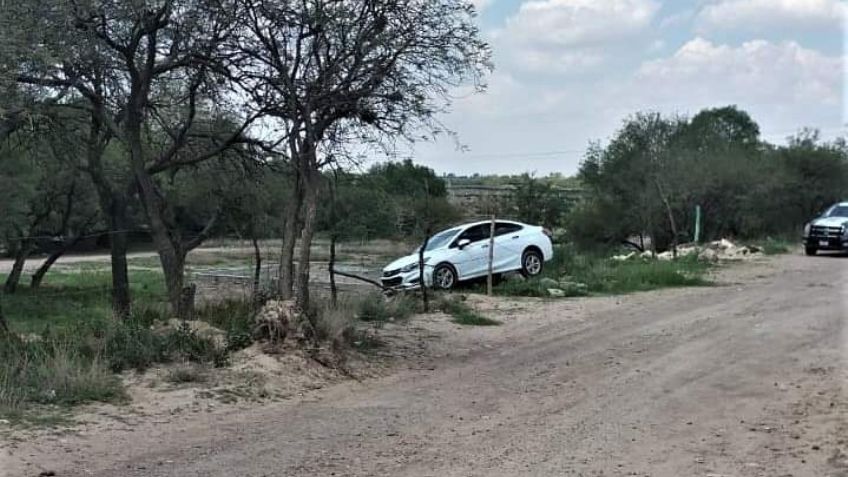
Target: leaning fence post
{"type": "Point", "coordinates": [421, 281]}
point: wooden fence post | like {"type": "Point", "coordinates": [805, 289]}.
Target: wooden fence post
{"type": "Point", "coordinates": [491, 256]}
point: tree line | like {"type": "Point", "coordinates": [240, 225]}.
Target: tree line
{"type": "Point", "coordinates": [654, 172]}
{"type": "Point", "coordinates": [160, 94]}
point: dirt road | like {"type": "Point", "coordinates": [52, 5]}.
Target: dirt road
{"type": "Point", "coordinates": [745, 379]}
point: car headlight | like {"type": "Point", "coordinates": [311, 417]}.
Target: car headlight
{"type": "Point", "coordinates": [413, 266]}
{"type": "Point", "coordinates": [409, 268]}
{"type": "Point", "coordinates": [807, 230]}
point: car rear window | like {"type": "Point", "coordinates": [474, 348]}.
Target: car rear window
{"type": "Point", "coordinates": [503, 228]}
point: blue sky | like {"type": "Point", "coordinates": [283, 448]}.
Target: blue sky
{"type": "Point", "coordinates": [570, 71]}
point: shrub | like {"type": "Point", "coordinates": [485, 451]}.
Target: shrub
{"type": "Point", "coordinates": [462, 313]}
{"type": "Point", "coordinates": [234, 317]}
{"type": "Point", "coordinates": [187, 373]}
{"type": "Point", "coordinates": [377, 308]}
{"type": "Point", "coordinates": [581, 273]}
{"type": "Point", "coordinates": [335, 323]}
{"type": "Point", "coordinates": [54, 372]}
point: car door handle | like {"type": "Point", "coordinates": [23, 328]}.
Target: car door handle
{"type": "Point", "coordinates": [484, 246]}
{"type": "Point", "coordinates": [514, 237]}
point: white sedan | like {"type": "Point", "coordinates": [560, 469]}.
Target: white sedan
{"type": "Point", "coordinates": [462, 253]}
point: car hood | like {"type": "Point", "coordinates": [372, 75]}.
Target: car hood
{"type": "Point", "coordinates": [830, 221]}
{"type": "Point", "coordinates": [402, 262]}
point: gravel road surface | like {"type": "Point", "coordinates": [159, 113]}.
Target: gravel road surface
{"type": "Point", "coordinates": [743, 379]}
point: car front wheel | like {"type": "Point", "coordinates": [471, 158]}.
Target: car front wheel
{"type": "Point", "coordinates": [810, 251]}
{"type": "Point", "coordinates": [444, 277]}
{"type": "Point", "coordinates": [531, 263]}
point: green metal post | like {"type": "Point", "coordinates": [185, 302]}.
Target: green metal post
{"type": "Point", "coordinates": [697, 223]}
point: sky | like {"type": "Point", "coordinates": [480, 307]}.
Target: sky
{"type": "Point", "coordinates": [569, 72]}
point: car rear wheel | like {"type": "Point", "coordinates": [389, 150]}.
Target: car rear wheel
{"type": "Point", "coordinates": [810, 251]}
{"type": "Point", "coordinates": [531, 263]}
{"type": "Point", "coordinates": [444, 277]}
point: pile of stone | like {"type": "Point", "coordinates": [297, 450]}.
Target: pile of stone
{"type": "Point", "coordinates": [564, 287]}
{"type": "Point", "coordinates": [711, 252]}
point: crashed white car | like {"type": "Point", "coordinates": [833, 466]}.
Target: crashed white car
{"type": "Point", "coordinates": [462, 253]}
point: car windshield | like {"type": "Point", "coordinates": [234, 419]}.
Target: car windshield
{"type": "Point", "coordinates": [441, 239]}
{"type": "Point", "coordinates": [837, 211]}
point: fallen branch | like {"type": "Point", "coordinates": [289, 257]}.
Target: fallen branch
{"type": "Point", "coordinates": [366, 280]}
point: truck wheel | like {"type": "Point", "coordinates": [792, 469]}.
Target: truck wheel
{"type": "Point", "coordinates": [810, 251]}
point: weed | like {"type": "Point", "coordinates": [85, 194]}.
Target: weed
{"type": "Point", "coordinates": [772, 246]}
{"type": "Point", "coordinates": [377, 308]}
{"type": "Point", "coordinates": [187, 373]}
{"type": "Point", "coordinates": [578, 274]}
{"type": "Point", "coordinates": [334, 323]}
{"type": "Point", "coordinates": [234, 317]}
{"type": "Point", "coordinates": [463, 314]}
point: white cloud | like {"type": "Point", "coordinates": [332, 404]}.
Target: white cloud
{"type": "Point", "coordinates": [756, 71]}
{"type": "Point", "coordinates": [571, 35]}
{"type": "Point", "coordinates": [577, 23]}
{"type": "Point", "coordinates": [762, 15]}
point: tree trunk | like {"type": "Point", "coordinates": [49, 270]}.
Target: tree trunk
{"type": "Point", "coordinates": [173, 266]}
{"type": "Point", "coordinates": [290, 232]}
{"type": "Point", "coordinates": [21, 255]}
{"type": "Point", "coordinates": [670, 214]}
{"type": "Point", "coordinates": [116, 208]}
{"type": "Point", "coordinates": [39, 274]}
{"type": "Point", "coordinates": [4, 326]}
{"type": "Point", "coordinates": [170, 248]}
{"type": "Point", "coordinates": [310, 207]}
{"type": "Point", "coordinates": [332, 269]}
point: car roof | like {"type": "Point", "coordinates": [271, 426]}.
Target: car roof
{"type": "Point", "coordinates": [481, 222]}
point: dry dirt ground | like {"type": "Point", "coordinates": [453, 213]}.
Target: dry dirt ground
{"type": "Point", "coordinates": [743, 379]}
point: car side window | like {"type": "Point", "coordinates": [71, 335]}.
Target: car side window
{"type": "Point", "coordinates": [475, 234]}
{"type": "Point", "coordinates": [504, 228]}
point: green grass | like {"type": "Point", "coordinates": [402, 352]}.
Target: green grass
{"type": "Point", "coordinates": [69, 297]}
{"type": "Point", "coordinates": [74, 348]}
{"type": "Point", "coordinates": [579, 274]}
{"type": "Point", "coordinates": [774, 246]}
{"type": "Point", "coordinates": [463, 314]}
{"type": "Point", "coordinates": [375, 307]}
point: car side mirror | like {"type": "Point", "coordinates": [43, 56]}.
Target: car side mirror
{"type": "Point", "coordinates": [463, 243]}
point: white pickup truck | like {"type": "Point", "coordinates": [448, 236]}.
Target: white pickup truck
{"type": "Point", "coordinates": [829, 231]}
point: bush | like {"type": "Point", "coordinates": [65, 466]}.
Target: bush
{"type": "Point", "coordinates": [581, 273]}
{"type": "Point", "coordinates": [377, 308]}
{"type": "Point", "coordinates": [54, 372]}
{"type": "Point", "coordinates": [77, 365]}
{"type": "Point", "coordinates": [334, 323]}
{"type": "Point", "coordinates": [234, 317]}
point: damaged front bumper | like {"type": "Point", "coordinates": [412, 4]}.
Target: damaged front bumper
{"type": "Point", "coordinates": [399, 280]}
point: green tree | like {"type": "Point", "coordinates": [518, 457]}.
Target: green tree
{"type": "Point", "coordinates": [337, 76]}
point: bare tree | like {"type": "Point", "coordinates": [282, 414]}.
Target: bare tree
{"type": "Point", "coordinates": [341, 76]}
